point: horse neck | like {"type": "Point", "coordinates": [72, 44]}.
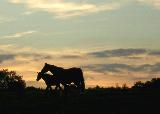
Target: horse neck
{"type": "Point", "coordinates": [44, 77]}
{"type": "Point", "coordinates": [48, 78]}
{"type": "Point", "coordinates": [53, 69]}
{"type": "Point", "coordinates": [56, 70]}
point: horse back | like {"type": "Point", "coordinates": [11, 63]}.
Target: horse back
{"type": "Point", "coordinates": [72, 74]}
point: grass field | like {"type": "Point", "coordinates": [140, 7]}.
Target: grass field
{"type": "Point", "coordinates": [93, 101]}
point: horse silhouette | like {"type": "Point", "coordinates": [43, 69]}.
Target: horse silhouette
{"type": "Point", "coordinates": [66, 76]}
{"type": "Point", "coordinates": [49, 80]}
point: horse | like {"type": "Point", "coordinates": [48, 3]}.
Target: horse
{"type": "Point", "coordinates": [49, 80]}
{"type": "Point", "coordinates": [66, 76]}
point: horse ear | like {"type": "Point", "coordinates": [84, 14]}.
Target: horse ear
{"type": "Point", "coordinates": [45, 63]}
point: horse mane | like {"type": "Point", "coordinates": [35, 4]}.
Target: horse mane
{"type": "Point", "coordinates": [56, 68]}
{"type": "Point", "coordinates": [60, 68]}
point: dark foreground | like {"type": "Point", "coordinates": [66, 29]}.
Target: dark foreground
{"type": "Point", "coordinates": [93, 101]}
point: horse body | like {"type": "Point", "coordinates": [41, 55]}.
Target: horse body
{"type": "Point", "coordinates": [69, 75]}
{"type": "Point", "coordinates": [66, 76]}
{"type": "Point", "coordinates": [49, 80]}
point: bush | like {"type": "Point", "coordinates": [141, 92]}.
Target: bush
{"type": "Point", "coordinates": [153, 84]}
{"type": "Point", "coordinates": [138, 85]}
{"type": "Point", "coordinates": [9, 80]}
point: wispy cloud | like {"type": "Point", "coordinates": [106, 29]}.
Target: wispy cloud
{"type": "Point", "coordinates": [118, 53]}
{"type": "Point", "coordinates": [4, 19]}
{"type": "Point", "coordinates": [27, 13]}
{"type": "Point", "coordinates": [19, 34]}
{"type": "Point", "coordinates": [71, 56]}
{"type": "Point", "coordinates": [7, 53]}
{"type": "Point", "coordinates": [118, 68]}
{"type": "Point", "coordinates": [154, 3]}
{"type": "Point", "coordinates": [155, 53]}
{"type": "Point", "coordinates": [6, 57]}
{"type": "Point", "coordinates": [62, 9]}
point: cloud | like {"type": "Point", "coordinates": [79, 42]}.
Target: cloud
{"type": "Point", "coordinates": [154, 3]}
{"type": "Point", "coordinates": [27, 13]}
{"type": "Point", "coordinates": [7, 52]}
{"type": "Point", "coordinates": [124, 55]}
{"type": "Point", "coordinates": [154, 53]}
{"type": "Point", "coordinates": [71, 57]}
{"type": "Point", "coordinates": [105, 67]}
{"type": "Point", "coordinates": [62, 9]}
{"type": "Point", "coordinates": [117, 53]}
{"type": "Point", "coordinates": [19, 34]}
{"type": "Point", "coordinates": [26, 56]}
{"type": "Point", "coordinates": [6, 57]}
{"type": "Point", "coordinates": [118, 68]}
{"type": "Point", "coordinates": [4, 19]}
{"type": "Point", "coordinates": [35, 56]}
{"type": "Point", "coordinates": [120, 54]}
{"type": "Point", "coordinates": [31, 54]}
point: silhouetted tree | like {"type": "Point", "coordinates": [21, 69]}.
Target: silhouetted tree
{"type": "Point", "coordinates": [124, 86]}
{"type": "Point", "coordinates": [152, 84]}
{"type": "Point", "coordinates": [138, 85]}
{"type": "Point", "coordinates": [155, 83]}
{"type": "Point", "coordinates": [9, 80]}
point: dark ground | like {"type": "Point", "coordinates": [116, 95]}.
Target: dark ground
{"type": "Point", "coordinates": [93, 101]}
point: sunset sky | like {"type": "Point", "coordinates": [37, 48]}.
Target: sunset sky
{"type": "Point", "coordinates": [113, 41]}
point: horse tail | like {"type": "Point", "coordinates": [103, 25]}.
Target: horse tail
{"type": "Point", "coordinates": [82, 81]}
{"type": "Point", "coordinates": [83, 86]}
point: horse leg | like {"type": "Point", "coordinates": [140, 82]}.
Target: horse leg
{"type": "Point", "coordinates": [60, 88]}
{"type": "Point", "coordinates": [78, 86]}
{"type": "Point", "coordinates": [50, 88]}
{"type": "Point", "coordinates": [47, 88]}
{"type": "Point", "coordinates": [56, 87]}
{"type": "Point", "coordinates": [65, 89]}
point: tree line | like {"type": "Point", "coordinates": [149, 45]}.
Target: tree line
{"type": "Point", "coordinates": [10, 80]}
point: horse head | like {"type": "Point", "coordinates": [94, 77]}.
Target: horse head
{"type": "Point", "coordinates": [39, 76]}
{"type": "Point", "coordinates": [48, 67]}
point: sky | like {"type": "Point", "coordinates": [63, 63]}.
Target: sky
{"type": "Point", "coordinates": [113, 41]}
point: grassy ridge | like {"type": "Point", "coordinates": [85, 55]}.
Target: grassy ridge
{"type": "Point", "coordinates": [93, 101]}
{"type": "Point", "coordinates": [15, 98]}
